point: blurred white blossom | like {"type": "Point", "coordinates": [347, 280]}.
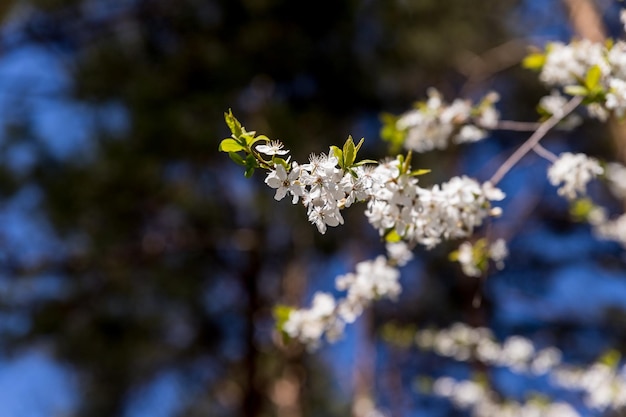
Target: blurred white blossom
{"type": "Point", "coordinates": [434, 124]}
{"type": "Point", "coordinates": [572, 172]}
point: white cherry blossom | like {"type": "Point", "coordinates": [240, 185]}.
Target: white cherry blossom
{"type": "Point", "coordinates": [573, 172]}
{"type": "Point", "coordinates": [310, 325]}
{"type": "Point", "coordinates": [435, 124]}
{"type": "Point", "coordinates": [272, 148]}
{"type": "Point", "coordinates": [285, 182]}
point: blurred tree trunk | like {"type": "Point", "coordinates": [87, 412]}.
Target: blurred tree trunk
{"type": "Point", "coordinates": [252, 397]}
{"type": "Point", "coordinates": [4, 10]}
{"type": "Point", "coordinates": [364, 369]}
{"type": "Point", "coordinates": [286, 392]}
{"type": "Point", "coordinates": [585, 19]}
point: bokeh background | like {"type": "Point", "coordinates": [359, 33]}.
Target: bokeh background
{"type": "Point", "coordinates": [139, 268]}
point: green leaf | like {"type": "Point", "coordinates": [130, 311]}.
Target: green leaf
{"type": "Point", "coordinates": [358, 146]}
{"type": "Point", "coordinates": [233, 124]}
{"type": "Point", "coordinates": [534, 61]}
{"type": "Point", "coordinates": [230, 145]}
{"type": "Point", "coordinates": [365, 161]}
{"type": "Point", "coordinates": [544, 113]}
{"type": "Point", "coordinates": [576, 90]}
{"type": "Point", "coordinates": [251, 161]}
{"type": "Point", "coordinates": [237, 158]}
{"type": "Point", "coordinates": [609, 43]}
{"type": "Point", "coordinates": [481, 379]}
{"type": "Point", "coordinates": [281, 315]}
{"type": "Point", "coordinates": [252, 140]}
{"type": "Point", "coordinates": [251, 164]}
{"type": "Point", "coordinates": [611, 358]}
{"type": "Point", "coordinates": [401, 159]}
{"type": "Point", "coordinates": [418, 172]}
{"type": "Point", "coordinates": [581, 208]}
{"type": "Point", "coordinates": [406, 166]}
{"type": "Point", "coordinates": [246, 138]}
{"type": "Point", "coordinates": [349, 152]}
{"type": "Point", "coordinates": [592, 80]}
{"type": "Point", "coordinates": [280, 161]}
{"type": "Point", "coordinates": [392, 236]}
{"type": "Point", "coordinates": [338, 154]}
{"type": "Point", "coordinates": [389, 132]}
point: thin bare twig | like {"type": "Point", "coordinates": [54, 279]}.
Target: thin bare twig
{"type": "Point", "coordinates": [544, 153]}
{"type": "Point", "coordinates": [517, 126]}
{"type": "Point", "coordinates": [534, 139]}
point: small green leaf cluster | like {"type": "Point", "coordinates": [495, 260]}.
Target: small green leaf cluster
{"type": "Point", "coordinates": [243, 141]}
{"type": "Point", "coordinates": [581, 209]}
{"type": "Point", "coordinates": [404, 163]}
{"type": "Point", "coordinates": [534, 61]}
{"type": "Point", "coordinates": [391, 133]}
{"type": "Point", "coordinates": [436, 118]}
{"type": "Point", "coordinates": [347, 156]}
{"type": "Point", "coordinates": [480, 255]}
{"type": "Point", "coordinates": [611, 358]}
{"type": "Point", "coordinates": [281, 315]}
{"type": "Point", "coordinates": [405, 166]}
{"type": "Point", "coordinates": [590, 86]}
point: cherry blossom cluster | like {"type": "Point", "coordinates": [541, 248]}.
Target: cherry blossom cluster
{"type": "Point", "coordinates": [616, 178]}
{"type": "Point", "coordinates": [553, 104]}
{"type": "Point", "coordinates": [427, 216]}
{"type": "Point", "coordinates": [573, 172]}
{"type": "Point", "coordinates": [434, 124]}
{"type": "Point", "coordinates": [602, 384]}
{"type": "Point", "coordinates": [407, 214]}
{"type": "Point", "coordinates": [327, 317]}
{"type": "Point", "coordinates": [603, 227]}
{"type": "Point", "coordinates": [471, 395]}
{"type": "Point", "coordinates": [474, 258]}
{"type": "Point", "coordinates": [463, 342]}
{"type": "Point", "coordinates": [395, 201]}
{"type": "Point", "coordinates": [396, 204]}
{"type": "Point", "coordinates": [403, 213]}
{"type": "Point", "coordinates": [594, 70]}
{"type": "Point", "coordinates": [566, 64]}
{"type": "Point", "coordinates": [323, 188]}
{"type": "Point", "coordinates": [310, 325]}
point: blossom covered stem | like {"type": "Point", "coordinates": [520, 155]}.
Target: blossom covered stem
{"type": "Point", "coordinates": [534, 139]}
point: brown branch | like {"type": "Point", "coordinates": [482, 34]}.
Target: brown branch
{"type": "Point", "coordinates": [544, 153]}
{"type": "Point", "coordinates": [478, 68]}
{"type": "Point", "coordinates": [517, 126]}
{"type": "Point", "coordinates": [533, 140]}
{"type": "Point", "coordinates": [585, 19]}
